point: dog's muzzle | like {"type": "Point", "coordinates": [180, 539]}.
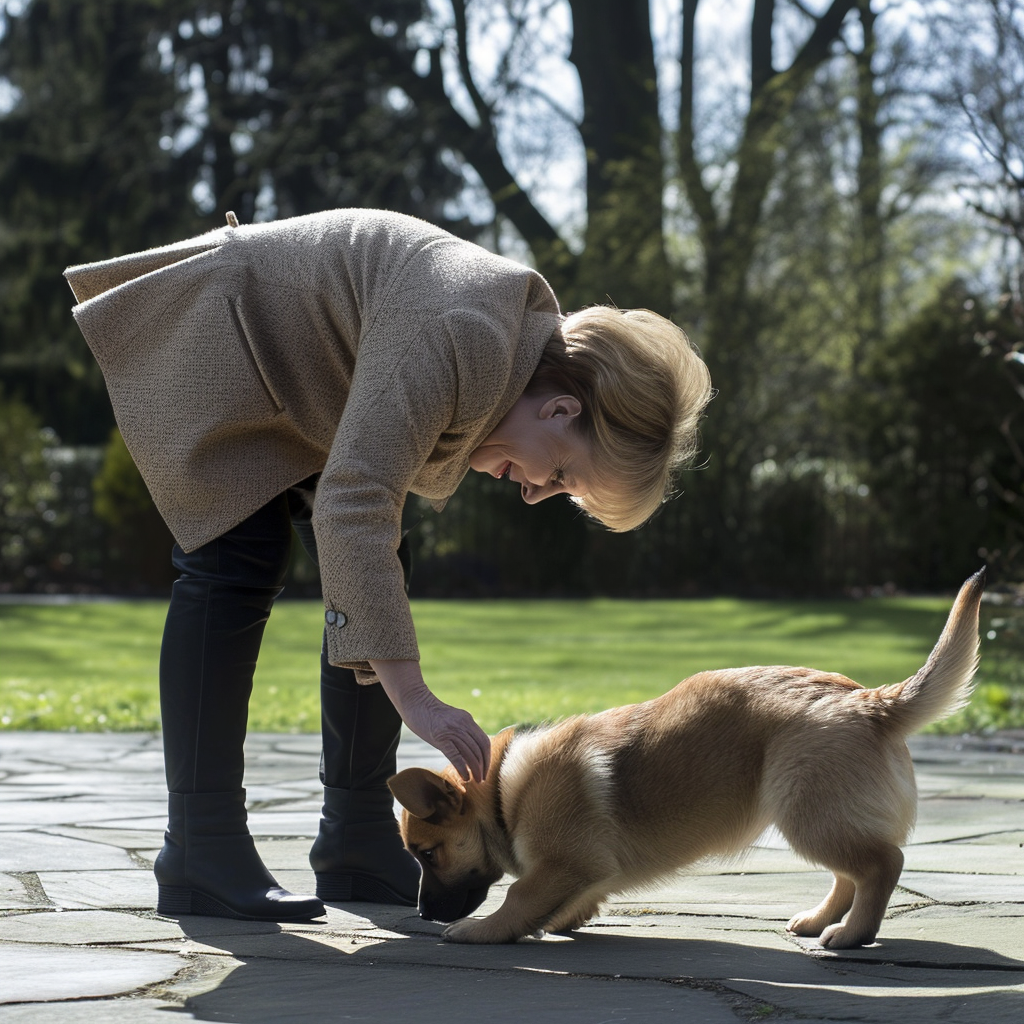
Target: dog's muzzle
{"type": "Point", "coordinates": [449, 905]}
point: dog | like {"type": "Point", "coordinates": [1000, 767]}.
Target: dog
{"type": "Point", "coordinates": [612, 802]}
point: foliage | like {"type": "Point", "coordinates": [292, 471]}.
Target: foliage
{"type": "Point", "coordinates": [48, 539]}
{"type": "Point", "coordinates": [26, 490]}
{"type": "Point", "coordinates": [82, 177]}
{"type": "Point", "coordinates": [92, 666]}
{"type": "Point", "coordinates": [1004, 628]}
{"type": "Point", "coordinates": [938, 466]}
{"type": "Point", "coordinates": [118, 487]}
{"type": "Point", "coordinates": [139, 545]}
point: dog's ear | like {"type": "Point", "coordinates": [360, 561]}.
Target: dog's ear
{"type": "Point", "coordinates": [425, 794]}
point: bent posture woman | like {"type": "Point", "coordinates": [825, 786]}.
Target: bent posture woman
{"type": "Point", "coordinates": [311, 373]}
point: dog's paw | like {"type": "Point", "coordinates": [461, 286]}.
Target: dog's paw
{"type": "Point", "coordinates": [808, 925]}
{"type": "Point", "coordinates": [840, 936]}
{"type": "Point", "coordinates": [470, 929]}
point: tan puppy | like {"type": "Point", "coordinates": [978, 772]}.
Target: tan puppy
{"type": "Point", "coordinates": [608, 803]}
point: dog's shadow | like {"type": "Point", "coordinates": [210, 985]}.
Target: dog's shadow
{"type": "Point", "coordinates": [294, 976]}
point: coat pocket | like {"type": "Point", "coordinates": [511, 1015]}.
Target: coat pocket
{"type": "Point", "coordinates": [245, 341]}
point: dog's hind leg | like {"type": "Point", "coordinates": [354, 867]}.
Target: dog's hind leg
{"type": "Point", "coordinates": [866, 867]}
{"type": "Point", "coordinates": [866, 872]}
{"type": "Point", "coordinates": [573, 915]}
{"type": "Point", "coordinates": [829, 911]}
{"type": "Point", "coordinates": [875, 870]}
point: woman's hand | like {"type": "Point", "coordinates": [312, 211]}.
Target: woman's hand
{"type": "Point", "coordinates": [451, 730]}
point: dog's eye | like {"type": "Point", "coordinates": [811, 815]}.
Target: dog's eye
{"type": "Point", "coordinates": [427, 855]}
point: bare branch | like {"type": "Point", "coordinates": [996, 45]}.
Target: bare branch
{"type": "Point", "coordinates": [482, 108]}
{"type": "Point", "coordinates": [802, 8]}
{"type": "Point", "coordinates": [815, 50]}
{"type": "Point", "coordinates": [476, 144]}
{"type": "Point", "coordinates": [689, 168]}
{"type": "Point", "coordinates": [564, 113]}
{"type": "Point", "coordinates": [761, 69]}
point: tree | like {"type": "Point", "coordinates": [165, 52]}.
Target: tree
{"type": "Point", "coordinates": [937, 465]}
{"type": "Point", "coordinates": [623, 251]}
{"type": "Point", "coordinates": [980, 101]}
{"type": "Point", "coordinates": [282, 113]}
{"type": "Point", "coordinates": [624, 246]}
{"type": "Point", "coordinates": [82, 176]}
{"type": "Point", "coordinates": [133, 124]}
{"type": "Point", "coordinates": [26, 491]}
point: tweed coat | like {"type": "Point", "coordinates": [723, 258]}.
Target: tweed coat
{"type": "Point", "coordinates": [370, 347]}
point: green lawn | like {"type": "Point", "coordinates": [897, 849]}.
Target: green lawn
{"type": "Point", "coordinates": [92, 666]}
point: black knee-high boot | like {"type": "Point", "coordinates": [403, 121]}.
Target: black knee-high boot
{"type": "Point", "coordinates": [209, 864]}
{"type": "Point", "coordinates": [358, 853]}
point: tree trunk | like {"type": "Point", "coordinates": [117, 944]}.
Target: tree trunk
{"type": "Point", "coordinates": [624, 259]}
{"type": "Point", "coordinates": [870, 240]}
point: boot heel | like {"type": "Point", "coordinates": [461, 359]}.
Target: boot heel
{"type": "Point", "coordinates": [372, 890]}
{"type": "Point", "coordinates": [173, 900]}
{"type": "Point", "coordinates": [334, 888]}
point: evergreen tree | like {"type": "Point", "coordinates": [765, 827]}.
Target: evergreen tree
{"type": "Point", "coordinates": [82, 177]}
{"type": "Point", "coordinates": [134, 123]}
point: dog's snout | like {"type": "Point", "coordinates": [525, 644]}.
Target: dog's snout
{"type": "Point", "coordinates": [474, 897]}
{"type": "Point", "coordinates": [451, 904]}
{"type": "Point", "coordinates": [445, 910]}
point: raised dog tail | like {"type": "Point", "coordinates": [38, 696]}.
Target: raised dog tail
{"type": "Point", "coordinates": [944, 684]}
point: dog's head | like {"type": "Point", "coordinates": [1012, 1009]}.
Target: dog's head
{"type": "Point", "coordinates": [443, 827]}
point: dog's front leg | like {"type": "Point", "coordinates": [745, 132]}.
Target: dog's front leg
{"type": "Point", "coordinates": [529, 904]}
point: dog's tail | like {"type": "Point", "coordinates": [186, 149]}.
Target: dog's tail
{"type": "Point", "coordinates": [943, 685]}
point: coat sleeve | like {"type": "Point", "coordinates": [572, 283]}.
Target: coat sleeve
{"type": "Point", "coordinates": [395, 414]}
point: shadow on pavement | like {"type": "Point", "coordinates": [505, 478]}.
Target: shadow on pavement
{"type": "Point", "coordinates": [286, 976]}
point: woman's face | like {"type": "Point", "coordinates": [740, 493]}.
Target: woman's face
{"type": "Point", "coordinates": [536, 447]}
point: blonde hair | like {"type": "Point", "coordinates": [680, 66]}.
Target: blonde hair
{"type": "Point", "coordinates": [643, 389]}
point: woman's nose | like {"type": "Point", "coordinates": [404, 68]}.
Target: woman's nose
{"type": "Point", "coordinates": [532, 493]}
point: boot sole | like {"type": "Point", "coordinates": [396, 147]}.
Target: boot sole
{"type": "Point", "coordinates": [177, 900]}
{"type": "Point", "coordinates": [336, 888]}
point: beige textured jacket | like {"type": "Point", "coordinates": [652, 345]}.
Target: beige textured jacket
{"type": "Point", "coordinates": [372, 347]}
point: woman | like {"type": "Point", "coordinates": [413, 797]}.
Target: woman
{"type": "Point", "coordinates": [310, 373]}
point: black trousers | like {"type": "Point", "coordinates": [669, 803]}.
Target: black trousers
{"type": "Point", "coordinates": [219, 609]}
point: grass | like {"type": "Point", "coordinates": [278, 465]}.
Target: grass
{"type": "Point", "coordinates": [92, 666]}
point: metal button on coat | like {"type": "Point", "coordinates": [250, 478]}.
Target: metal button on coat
{"type": "Point", "coordinates": [334, 618]}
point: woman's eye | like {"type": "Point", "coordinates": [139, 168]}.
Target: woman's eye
{"type": "Point", "coordinates": [558, 477]}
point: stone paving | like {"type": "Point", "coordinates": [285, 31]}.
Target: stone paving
{"type": "Point", "coordinates": [81, 818]}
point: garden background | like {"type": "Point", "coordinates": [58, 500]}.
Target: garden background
{"type": "Point", "coordinates": [825, 195]}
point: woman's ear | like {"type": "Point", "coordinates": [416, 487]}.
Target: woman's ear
{"type": "Point", "coordinates": [561, 405]}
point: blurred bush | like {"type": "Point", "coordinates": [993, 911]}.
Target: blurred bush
{"type": "Point", "coordinates": [74, 518]}
{"type": "Point", "coordinates": [28, 492]}
{"type": "Point", "coordinates": [139, 544]}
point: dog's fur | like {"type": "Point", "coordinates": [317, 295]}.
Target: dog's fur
{"type": "Point", "coordinates": [607, 803]}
